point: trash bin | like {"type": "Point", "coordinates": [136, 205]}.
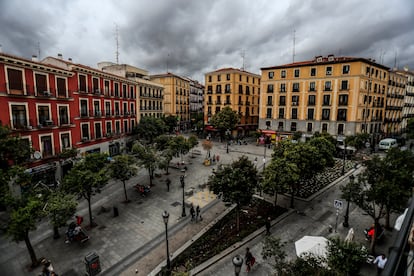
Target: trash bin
{"type": "Point", "coordinates": [93, 265]}
{"type": "Point", "coordinates": [116, 212]}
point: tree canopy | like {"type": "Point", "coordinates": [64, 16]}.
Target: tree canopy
{"type": "Point", "coordinates": [123, 168]}
{"type": "Point", "coordinates": [150, 127]}
{"type": "Point", "coordinates": [225, 119]}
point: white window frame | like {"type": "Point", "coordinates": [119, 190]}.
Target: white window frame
{"type": "Point", "coordinates": [87, 106]}
{"type": "Point", "coordinates": [56, 85]}
{"type": "Point", "coordinates": [89, 130]}
{"type": "Point", "coordinates": [47, 83]}
{"type": "Point", "coordinates": [58, 113]}
{"type": "Point", "coordinates": [106, 129]}
{"type": "Point", "coordinates": [52, 141]}
{"type": "Point", "coordinates": [94, 128]}
{"type": "Point", "coordinates": [23, 78]}
{"type": "Point", "coordinates": [37, 111]}
{"type": "Point", "coordinates": [60, 139]}
{"type": "Point", "coordinates": [86, 82]}
{"type": "Point", "coordinates": [11, 113]}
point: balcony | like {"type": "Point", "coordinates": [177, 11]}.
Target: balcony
{"type": "Point", "coordinates": [240, 102]}
{"type": "Point", "coordinates": [46, 124]}
{"type": "Point", "coordinates": [227, 103]}
{"type": "Point", "coordinates": [247, 103]}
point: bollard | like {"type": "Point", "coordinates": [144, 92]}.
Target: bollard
{"type": "Point", "coordinates": [116, 212]}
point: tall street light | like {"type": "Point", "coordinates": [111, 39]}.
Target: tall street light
{"type": "Point", "coordinates": [346, 217]}
{"type": "Point", "coordinates": [237, 262]}
{"type": "Point", "coordinates": [343, 165]}
{"type": "Point", "coordinates": [183, 214]}
{"type": "Point", "coordinates": [165, 216]}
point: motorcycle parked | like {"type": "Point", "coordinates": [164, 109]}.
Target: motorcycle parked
{"type": "Point", "coordinates": [76, 233]}
{"type": "Point", "coordinates": [144, 190]}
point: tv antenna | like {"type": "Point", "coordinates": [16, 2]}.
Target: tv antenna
{"type": "Point", "coordinates": [294, 42]}
{"type": "Point", "coordinates": [243, 55]}
{"type": "Point", "coordinates": [117, 43]}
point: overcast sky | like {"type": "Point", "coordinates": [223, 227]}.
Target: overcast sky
{"type": "Point", "coordinates": [192, 37]}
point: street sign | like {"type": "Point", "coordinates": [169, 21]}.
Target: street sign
{"type": "Point", "coordinates": [338, 204]}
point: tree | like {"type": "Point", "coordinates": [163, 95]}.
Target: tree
{"type": "Point", "coordinates": [148, 157]}
{"type": "Point", "coordinates": [192, 141]}
{"type": "Point", "coordinates": [273, 250]}
{"type": "Point", "coordinates": [150, 127]}
{"type": "Point", "coordinates": [235, 183]}
{"type": "Point", "coordinates": [410, 128]}
{"type": "Point", "coordinates": [123, 168]}
{"type": "Point", "coordinates": [86, 177]}
{"type": "Point", "coordinates": [225, 119]}
{"type": "Point", "coordinates": [279, 176]}
{"type": "Point", "coordinates": [170, 123]}
{"type": "Point", "coordinates": [60, 207]}
{"type": "Point", "coordinates": [207, 146]}
{"type": "Point", "coordinates": [13, 150]}
{"type": "Point", "coordinates": [345, 258]}
{"type": "Point", "coordinates": [326, 150]}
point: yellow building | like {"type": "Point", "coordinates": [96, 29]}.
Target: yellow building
{"type": "Point", "coordinates": [338, 95]}
{"type": "Point", "coordinates": [237, 89]}
{"type": "Point", "coordinates": [395, 102]}
{"type": "Point", "coordinates": [176, 97]}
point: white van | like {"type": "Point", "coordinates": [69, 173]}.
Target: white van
{"type": "Point", "coordinates": [388, 143]}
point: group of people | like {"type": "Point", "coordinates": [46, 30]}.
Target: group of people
{"type": "Point", "coordinates": [195, 214]}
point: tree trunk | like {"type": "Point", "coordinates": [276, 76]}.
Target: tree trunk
{"type": "Point", "coordinates": [125, 191]}
{"type": "Point", "coordinates": [56, 232]}
{"type": "Point", "coordinates": [30, 249]}
{"type": "Point", "coordinates": [91, 223]}
{"type": "Point", "coordinates": [374, 237]}
{"type": "Point", "coordinates": [275, 197]}
{"type": "Point", "coordinates": [387, 218]}
{"type": "Point", "coordinates": [238, 218]}
{"type": "Point", "coordinates": [150, 175]}
{"type": "Point", "coordinates": [292, 197]}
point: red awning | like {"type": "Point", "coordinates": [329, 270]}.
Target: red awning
{"type": "Point", "coordinates": [268, 131]}
{"type": "Point", "coordinates": [210, 128]}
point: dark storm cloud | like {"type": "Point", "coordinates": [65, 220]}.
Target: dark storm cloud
{"type": "Point", "coordinates": [195, 37]}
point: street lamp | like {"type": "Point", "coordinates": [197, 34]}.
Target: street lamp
{"type": "Point", "coordinates": [237, 262]}
{"type": "Point", "coordinates": [182, 185]}
{"type": "Point", "coordinates": [227, 142]}
{"type": "Point", "coordinates": [165, 216]}
{"type": "Point", "coordinates": [343, 165]}
{"type": "Point", "coordinates": [346, 217]}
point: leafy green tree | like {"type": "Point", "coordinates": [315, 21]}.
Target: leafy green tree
{"type": "Point", "coordinates": [279, 176]}
{"type": "Point", "coordinates": [207, 146]}
{"type": "Point", "coordinates": [358, 140]}
{"type": "Point", "coordinates": [150, 127]}
{"type": "Point", "coordinates": [235, 183]}
{"type": "Point", "coordinates": [297, 135]}
{"type": "Point", "coordinates": [326, 150]}
{"type": "Point", "coordinates": [148, 157]}
{"type": "Point", "coordinates": [123, 168]}
{"type": "Point", "coordinates": [225, 119]}
{"type": "Point", "coordinates": [192, 141]}
{"type": "Point", "coordinates": [86, 177]}
{"type": "Point", "coordinates": [60, 207]}
{"type": "Point", "coordinates": [13, 150]}
{"type": "Point", "coordinates": [273, 250]}
{"type": "Point", "coordinates": [410, 128]}
{"type": "Point", "coordinates": [345, 258]}
{"type": "Point", "coordinates": [181, 145]}
{"type": "Point", "coordinates": [170, 123]}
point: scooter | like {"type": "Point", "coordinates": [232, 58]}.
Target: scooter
{"type": "Point", "coordinates": [76, 233]}
{"type": "Point", "coordinates": [144, 190]}
{"type": "Point", "coordinates": [369, 233]}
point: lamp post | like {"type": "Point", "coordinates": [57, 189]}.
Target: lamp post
{"type": "Point", "coordinates": [237, 262]}
{"type": "Point", "coordinates": [165, 216]}
{"type": "Point", "coordinates": [227, 142]}
{"type": "Point", "coordinates": [343, 165]}
{"type": "Point", "coordinates": [264, 154]}
{"type": "Point", "coordinates": [183, 214]}
{"type": "Point", "coordinates": [346, 217]}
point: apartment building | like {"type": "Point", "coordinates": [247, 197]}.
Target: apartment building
{"type": "Point", "coordinates": [338, 95]}
{"type": "Point", "coordinates": [176, 97]}
{"type": "Point", "coordinates": [237, 89]}
{"type": "Point", "coordinates": [55, 104]}
{"type": "Point", "coordinates": [196, 100]}
{"type": "Point", "coordinates": [394, 104]}
{"type": "Point", "coordinates": [150, 100]}
{"type": "Point", "coordinates": [408, 107]}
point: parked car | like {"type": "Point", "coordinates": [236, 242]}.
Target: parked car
{"type": "Point", "coordinates": [386, 144]}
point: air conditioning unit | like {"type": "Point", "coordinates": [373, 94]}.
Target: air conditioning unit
{"type": "Point", "coordinates": [97, 91]}
{"type": "Point", "coordinates": [84, 139]}
{"type": "Point", "coordinates": [47, 93]}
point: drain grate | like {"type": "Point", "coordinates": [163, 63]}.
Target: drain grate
{"type": "Point", "coordinates": [175, 204]}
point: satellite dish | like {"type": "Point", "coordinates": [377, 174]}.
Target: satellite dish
{"type": "Point", "coordinates": [37, 155]}
{"type": "Point", "coordinates": [406, 68]}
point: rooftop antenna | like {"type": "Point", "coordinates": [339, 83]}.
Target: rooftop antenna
{"type": "Point", "coordinates": [294, 41]}
{"type": "Point", "coordinates": [395, 59]}
{"type": "Point", "coordinates": [38, 50]}
{"type": "Point", "coordinates": [168, 58]}
{"type": "Point", "coordinates": [243, 55]}
{"type": "Point", "coordinates": [117, 43]}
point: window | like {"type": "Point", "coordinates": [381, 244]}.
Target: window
{"type": "Point", "coordinates": [15, 78]}
{"type": "Point", "coordinates": [240, 77]}
{"type": "Point", "coordinates": [294, 113]}
{"type": "Point", "coordinates": [326, 114]}
{"type": "Point", "coordinates": [240, 89]}
{"type": "Point", "coordinates": [343, 100]}
{"type": "Point", "coordinates": [63, 115]}
{"type": "Point", "coordinates": [247, 90]}
{"type": "Point", "coordinates": [19, 119]}
{"type": "Point", "coordinates": [218, 77]}
{"type": "Point", "coordinates": [98, 131]}
{"type": "Point", "coordinates": [295, 100]}
{"type": "Point", "coordinates": [108, 108]}
{"type": "Point", "coordinates": [228, 100]}
{"type": "Point", "coordinates": [312, 86]}
{"type": "Point", "coordinates": [283, 87]}
{"type": "Point", "coordinates": [311, 100]}
{"type": "Point", "coordinates": [218, 88]}
{"type": "Point", "coordinates": [282, 100]}
{"type": "Point", "coordinates": [313, 72]}
{"type": "Point", "coordinates": [328, 70]}
{"type": "Point", "coordinates": [345, 69]}
{"type": "Point", "coordinates": [271, 75]}
{"type": "Point", "coordinates": [41, 83]}
{"type": "Point", "coordinates": [61, 87]}
{"type": "Point", "coordinates": [95, 86]}
{"type": "Point", "coordinates": [116, 88]}
{"type": "Point", "coordinates": [326, 99]}
{"type": "Point", "coordinates": [209, 78]}
{"type": "Point", "coordinates": [283, 74]}
{"type": "Point", "coordinates": [309, 127]}
{"type": "Point", "coordinates": [344, 85]}
{"type": "Point", "coordinates": [227, 88]}
{"type": "Point", "coordinates": [46, 146]}
{"type": "Point", "coordinates": [293, 126]}
{"type": "Point", "coordinates": [44, 115]}
{"type": "Point", "coordinates": [295, 87]}
{"type": "Point", "coordinates": [124, 91]}
{"type": "Point", "coordinates": [117, 109]}
{"type": "Point", "coordinates": [108, 128]}
{"type": "Point", "coordinates": [269, 113]}
{"type": "Point", "coordinates": [297, 73]}
{"type": "Point", "coordinates": [126, 126]}
{"type": "Point", "coordinates": [341, 115]}
{"type": "Point", "coordinates": [270, 88]}
{"type": "Point", "coordinates": [327, 85]}
{"type": "Point", "coordinates": [82, 83]}
{"type": "Point", "coordinates": [281, 113]}
{"type": "Point", "coordinates": [340, 129]}
{"type": "Point", "coordinates": [65, 140]}
{"type": "Point", "coordinates": [269, 100]}
{"type": "Point", "coordinates": [228, 77]}
{"type": "Point", "coordinates": [85, 131]}
{"type": "Point", "coordinates": [106, 88]}
{"type": "Point", "coordinates": [280, 126]}
{"type": "Point", "coordinates": [324, 127]}
{"type": "Point", "coordinates": [311, 112]}
{"type": "Point", "coordinates": [84, 108]}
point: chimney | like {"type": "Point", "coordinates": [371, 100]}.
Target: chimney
{"type": "Point", "coordinates": [1, 48]}
{"type": "Point", "coordinates": [60, 56]}
{"type": "Point", "coordinates": [34, 58]}
{"type": "Point", "coordinates": [70, 59]}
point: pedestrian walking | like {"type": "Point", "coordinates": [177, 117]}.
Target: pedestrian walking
{"type": "Point", "coordinates": [268, 226]}
{"type": "Point", "coordinates": [380, 261]}
{"type": "Point", "coordinates": [168, 182]}
{"type": "Point", "coordinates": [250, 260]}
{"type": "Point", "coordinates": [192, 212]}
{"type": "Point", "coordinates": [198, 213]}
{"type": "Point", "coordinates": [218, 158]}
{"type": "Point", "coordinates": [79, 219]}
